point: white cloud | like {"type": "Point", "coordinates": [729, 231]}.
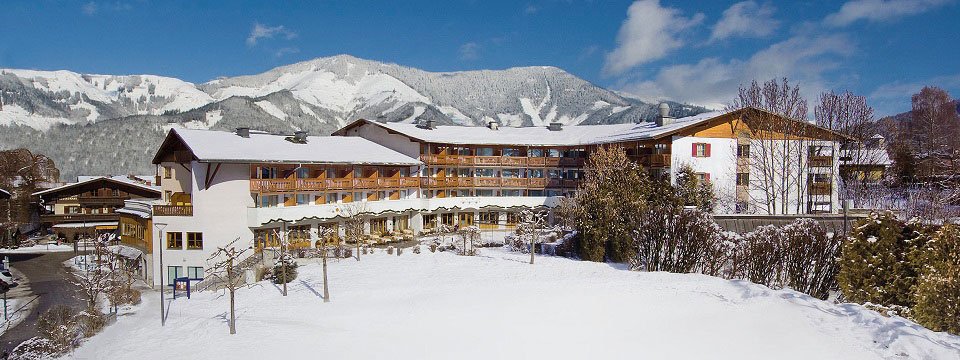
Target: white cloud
{"type": "Point", "coordinates": [879, 10]}
{"type": "Point", "coordinates": [89, 8]}
{"type": "Point", "coordinates": [261, 31]}
{"type": "Point", "coordinates": [745, 19]}
{"type": "Point", "coordinates": [469, 51]}
{"type": "Point", "coordinates": [713, 82]}
{"type": "Point", "coordinates": [893, 98]}
{"type": "Point", "coordinates": [286, 51]}
{"type": "Point", "coordinates": [649, 33]}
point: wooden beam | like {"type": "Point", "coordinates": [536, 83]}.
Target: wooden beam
{"type": "Point", "coordinates": [209, 177]}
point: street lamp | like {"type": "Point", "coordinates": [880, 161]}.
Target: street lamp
{"type": "Point", "coordinates": [160, 227]}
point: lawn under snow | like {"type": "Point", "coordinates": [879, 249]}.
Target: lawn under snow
{"type": "Point", "coordinates": [494, 306]}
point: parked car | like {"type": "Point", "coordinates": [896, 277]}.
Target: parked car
{"type": "Point", "coordinates": [7, 278]}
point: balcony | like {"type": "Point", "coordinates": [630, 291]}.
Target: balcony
{"type": "Point", "coordinates": [820, 161]}
{"type": "Point", "coordinates": [817, 188]}
{"type": "Point", "coordinates": [172, 210]}
{"type": "Point", "coordinates": [61, 218]}
{"type": "Point", "coordinates": [293, 185]}
{"type": "Point", "coordinates": [653, 160]}
{"type": "Point", "coordinates": [517, 161]}
{"type": "Point", "coordinates": [100, 200]}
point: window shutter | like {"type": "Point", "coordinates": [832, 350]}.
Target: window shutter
{"type": "Point", "coordinates": [694, 151]}
{"type": "Point", "coordinates": [707, 175]}
{"type": "Point", "coordinates": [706, 153]}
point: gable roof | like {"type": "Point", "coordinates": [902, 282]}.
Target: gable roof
{"type": "Point", "coordinates": [227, 147]}
{"type": "Point", "coordinates": [128, 183]}
{"type": "Point", "coordinates": [575, 135]}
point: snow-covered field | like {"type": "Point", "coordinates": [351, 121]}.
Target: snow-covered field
{"type": "Point", "coordinates": [38, 249]}
{"type": "Point", "coordinates": [496, 306]}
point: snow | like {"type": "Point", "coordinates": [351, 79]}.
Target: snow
{"type": "Point", "coordinates": [540, 136]}
{"type": "Point", "coordinates": [271, 109]}
{"type": "Point", "coordinates": [417, 111]}
{"type": "Point", "coordinates": [38, 249]}
{"type": "Point", "coordinates": [13, 114]}
{"type": "Point", "coordinates": [494, 306]}
{"type": "Point", "coordinates": [221, 146]}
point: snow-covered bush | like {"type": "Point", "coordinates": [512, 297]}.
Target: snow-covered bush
{"type": "Point", "coordinates": [36, 348]}
{"type": "Point", "coordinates": [284, 269]}
{"type": "Point", "coordinates": [672, 238]}
{"type": "Point", "coordinates": [937, 293]}
{"type": "Point", "coordinates": [90, 322]}
{"type": "Point", "coordinates": [875, 264]}
{"type": "Point", "coordinates": [467, 244]}
{"type": "Point", "coordinates": [416, 249]}
{"type": "Point", "coordinates": [60, 327]}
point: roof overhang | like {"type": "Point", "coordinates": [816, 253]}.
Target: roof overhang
{"type": "Point", "coordinates": [90, 181]}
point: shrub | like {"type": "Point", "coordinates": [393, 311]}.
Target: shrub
{"type": "Point", "coordinates": [290, 270]}
{"type": "Point", "coordinates": [36, 348]}
{"type": "Point", "coordinates": [875, 264]}
{"type": "Point", "coordinates": [90, 323]}
{"type": "Point", "coordinates": [416, 249]}
{"type": "Point", "coordinates": [937, 293]}
{"type": "Point", "coordinates": [671, 238]}
{"type": "Point", "coordinates": [60, 327]}
{"type": "Point", "coordinates": [809, 258]}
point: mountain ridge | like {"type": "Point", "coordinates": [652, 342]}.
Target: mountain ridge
{"type": "Point", "coordinates": [40, 110]}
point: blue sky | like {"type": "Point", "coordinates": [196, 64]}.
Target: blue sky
{"type": "Point", "coordinates": [695, 51]}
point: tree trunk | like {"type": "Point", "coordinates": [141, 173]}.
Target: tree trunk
{"type": "Point", "coordinates": [233, 319]}
{"type": "Point", "coordinates": [326, 291]}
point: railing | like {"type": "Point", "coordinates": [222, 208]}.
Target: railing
{"type": "Point", "coordinates": [172, 210]}
{"type": "Point", "coordinates": [820, 188]}
{"type": "Point", "coordinates": [57, 218]}
{"type": "Point", "coordinates": [499, 160]}
{"type": "Point", "coordinates": [508, 182]}
{"type": "Point", "coordinates": [820, 161]}
{"type": "Point", "coordinates": [288, 185]}
{"type": "Point", "coordinates": [106, 199]}
{"type": "Point", "coordinates": [654, 160]}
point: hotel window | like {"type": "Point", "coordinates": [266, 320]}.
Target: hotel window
{"type": "Point", "coordinates": [174, 240]}
{"type": "Point", "coordinates": [173, 273]}
{"type": "Point", "coordinates": [511, 152]}
{"type": "Point", "coordinates": [332, 198]}
{"type": "Point", "coordinates": [447, 219]}
{"type": "Point", "coordinates": [513, 218]}
{"type": "Point", "coordinates": [195, 272]}
{"type": "Point", "coordinates": [486, 173]}
{"type": "Point", "coordinates": [510, 173]}
{"type": "Point", "coordinates": [554, 153]}
{"type": "Point", "coordinates": [535, 173]}
{"type": "Point", "coordinates": [71, 209]}
{"type": "Point", "coordinates": [703, 177]}
{"type": "Point", "coordinates": [269, 201]}
{"type": "Point", "coordinates": [485, 151]}
{"type": "Point", "coordinates": [743, 151]}
{"type": "Point", "coordinates": [489, 217]}
{"type": "Point", "coordinates": [167, 172]}
{"type": "Point", "coordinates": [486, 192]}
{"type": "Point", "coordinates": [818, 178]}
{"type": "Point", "coordinates": [401, 222]}
{"type": "Point", "coordinates": [555, 174]}
{"type": "Point", "coordinates": [378, 226]}
{"type": "Point", "coordinates": [429, 221]}
{"type": "Point", "coordinates": [303, 199]}
{"type": "Point", "coordinates": [303, 173]}
{"type": "Point", "coordinates": [510, 193]}
{"type": "Point", "coordinates": [358, 196]}
{"type": "Point", "coordinates": [743, 179]}
{"type": "Point", "coordinates": [268, 172]}
{"type": "Point", "coordinates": [534, 192]}
{"type": "Point", "coordinates": [535, 153]}
{"type": "Point", "coordinates": [194, 241]}
{"type": "Point", "coordinates": [298, 233]}
{"type": "Point", "coordinates": [701, 150]}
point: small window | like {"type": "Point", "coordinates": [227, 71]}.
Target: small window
{"type": "Point", "coordinates": [485, 151]}
{"type": "Point", "coordinates": [332, 198]}
{"type": "Point", "coordinates": [535, 153]}
{"type": "Point", "coordinates": [447, 219]}
{"type": "Point", "coordinates": [303, 199]}
{"type": "Point", "coordinates": [173, 273]}
{"type": "Point", "coordinates": [174, 240]}
{"type": "Point", "coordinates": [535, 173]}
{"type": "Point", "coordinates": [743, 179]}
{"type": "Point", "coordinates": [167, 172]}
{"type": "Point", "coordinates": [554, 153]}
{"type": "Point", "coordinates": [701, 150]}
{"type": "Point", "coordinates": [194, 241]}
{"type": "Point", "coordinates": [195, 272]}
{"type": "Point", "coordinates": [303, 173]}
{"type": "Point", "coordinates": [429, 221]}
{"type": "Point", "coordinates": [703, 177]}
{"type": "Point", "coordinates": [743, 151]}
{"type": "Point", "coordinates": [511, 152]}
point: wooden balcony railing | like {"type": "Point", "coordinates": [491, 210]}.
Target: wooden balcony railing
{"type": "Point", "coordinates": [816, 188]}
{"type": "Point", "coordinates": [653, 160]}
{"type": "Point", "coordinates": [172, 210]}
{"type": "Point", "coordinates": [100, 200]}
{"type": "Point", "coordinates": [290, 185]}
{"type": "Point", "coordinates": [500, 160]}
{"type": "Point", "coordinates": [59, 218]}
{"type": "Point", "coordinates": [820, 161]}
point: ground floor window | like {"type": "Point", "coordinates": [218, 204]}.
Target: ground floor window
{"type": "Point", "coordinates": [174, 272]}
{"type": "Point", "coordinates": [446, 219]}
{"type": "Point", "coordinates": [513, 219]}
{"type": "Point", "coordinates": [429, 221]}
{"type": "Point", "coordinates": [401, 222]}
{"type": "Point", "coordinates": [195, 272]}
{"type": "Point", "coordinates": [465, 219]}
{"type": "Point", "coordinates": [378, 226]}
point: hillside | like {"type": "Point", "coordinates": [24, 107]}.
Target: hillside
{"type": "Point", "coordinates": [496, 306]}
{"type": "Point", "coordinates": [103, 123]}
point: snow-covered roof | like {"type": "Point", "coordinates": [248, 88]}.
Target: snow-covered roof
{"type": "Point", "coordinates": [541, 136]}
{"type": "Point", "coordinates": [89, 179]}
{"type": "Point", "coordinates": [125, 251]}
{"type": "Point", "coordinates": [141, 208]}
{"type": "Point", "coordinates": [221, 146]}
{"type": "Point", "coordinates": [866, 157]}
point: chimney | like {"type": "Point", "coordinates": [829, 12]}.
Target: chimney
{"type": "Point", "coordinates": [243, 132]}
{"type": "Point", "coordinates": [664, 118]}
{"type": "Point", "coordinates": [428, 124]}
{"type": "Point", "coordinates": [555, 126]}
{"type": "Point", "coordinates": [300, 136]}
{"type": "Point", "coordinates": [493, 125]}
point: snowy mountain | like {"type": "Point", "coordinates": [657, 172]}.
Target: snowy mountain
{"type": "Point", "coordinates": [318, 95]}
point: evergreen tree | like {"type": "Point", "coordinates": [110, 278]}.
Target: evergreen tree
{"type": "Point", "coordinates": [937, 294]}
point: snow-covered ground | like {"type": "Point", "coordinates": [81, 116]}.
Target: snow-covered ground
{"type": "Point", "coordinates": [20, 302]}
{"type": "Point", "coordinates": [38, 249]}
{"type": "Point", "coordinates": [495, 306]}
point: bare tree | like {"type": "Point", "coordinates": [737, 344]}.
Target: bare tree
{"type": "Point", "coordinates": [774, 115]}
{"type": "Point", "coordinates": [849, 114]}
{"type": "Point", "coordinates": [531, 227]}
{"type": "Point", "coordinates": [325, 234]}
{"type": "Point", "coordinates": [225, 270]}
{"type": "Point", "coordinates": [355, 213]}
{"type": "Point", "coordinates": [469, 235]}
{"type": "Point", "coordinates": [96, 280]}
